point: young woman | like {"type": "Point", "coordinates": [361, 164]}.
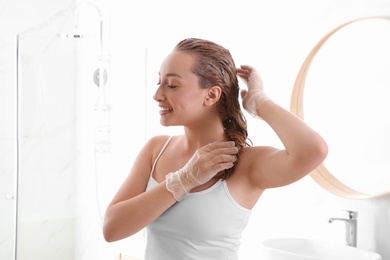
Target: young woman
{"type": "Point", "coordinates": [194, 192]}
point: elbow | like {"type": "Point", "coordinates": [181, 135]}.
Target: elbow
{"type": "Point", "coordinates": [108, 238]}
{"type": "Point", "coordinates": [323, 150]}
{"type": "Point", "coordinates": [108, 234]}
{"type": "Point", "coordinates": [319, 152]}
{"type": "Point", "coordinates": [114, 230]}
{"type": "Point", "coordinates": [313, 155]}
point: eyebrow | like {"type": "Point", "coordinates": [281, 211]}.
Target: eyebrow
{"type": "Point", "coordinates": [171, 75]}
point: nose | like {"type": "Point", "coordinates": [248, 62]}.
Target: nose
{"type": "Point", "coordinates": [158, 95]}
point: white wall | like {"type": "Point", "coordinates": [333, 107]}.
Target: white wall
{"type": "Point", "coordinates": [274, 36]}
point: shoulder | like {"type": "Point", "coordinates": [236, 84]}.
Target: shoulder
{"type": "Point", "coordinates": [147, 155]}
{"type": "Point", "coordinates": [157, 140]}
{"type": "Point", "coordinates": [154, 145]}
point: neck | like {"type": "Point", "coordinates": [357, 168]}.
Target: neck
{"type": "Point", "coordinates": [203, 134]}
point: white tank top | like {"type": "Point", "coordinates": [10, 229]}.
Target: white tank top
{"type": "Point", "coordinates": [205, 225]}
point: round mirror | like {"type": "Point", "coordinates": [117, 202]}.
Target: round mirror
{"type": "Point", "coordinates": [343, 87]}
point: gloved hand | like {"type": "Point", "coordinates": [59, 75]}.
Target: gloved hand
{"type": "Point", "coordinates": [204, 165]}
{"type": "Point", "coordinates": [255, 96]}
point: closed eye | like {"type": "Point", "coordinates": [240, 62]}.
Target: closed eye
{"type": "Point", "coordinates": [169, 86]}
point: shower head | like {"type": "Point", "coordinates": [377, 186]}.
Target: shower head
{"type": "Point", "coordinates": [71, 36]}
{"type": "Point", "coordinates": [76, 32]}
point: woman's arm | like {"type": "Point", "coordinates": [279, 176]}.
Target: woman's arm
{"type": "Point", "coordinates": [132, 208]}
{"type": "Point", "coordinates": [304, 149]}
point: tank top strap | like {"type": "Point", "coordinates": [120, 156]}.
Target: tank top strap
{"type": "Point", "coordinates": [159, 155]}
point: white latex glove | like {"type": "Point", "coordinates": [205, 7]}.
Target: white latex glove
{"type": "Point", "coordinates": [255, 96]}
{"type": "Point", "coordinates": [204, 165]}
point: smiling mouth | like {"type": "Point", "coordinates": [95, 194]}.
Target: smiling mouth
{"type": "Point", "coordinates": [165, 110]}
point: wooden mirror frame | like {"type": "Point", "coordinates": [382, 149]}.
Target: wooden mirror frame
{"type": "Point", "coordinates": [321, 174]}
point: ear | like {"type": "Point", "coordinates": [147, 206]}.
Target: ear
{"type": "Point", "coordinates": [213, 95]}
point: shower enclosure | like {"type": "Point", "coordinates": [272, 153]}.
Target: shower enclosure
{"type": "Point", "coordinates": [54, 137]}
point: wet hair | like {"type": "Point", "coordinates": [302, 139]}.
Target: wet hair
{"type": "Point", "coordinates": [215, 66]}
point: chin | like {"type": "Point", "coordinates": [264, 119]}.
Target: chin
{"type": "Point", "coordinates": [166, 124]}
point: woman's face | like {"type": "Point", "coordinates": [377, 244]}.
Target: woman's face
{"type": "Point", "coordinates": [179, 96]}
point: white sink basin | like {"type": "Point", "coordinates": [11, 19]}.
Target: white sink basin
{"type": "Point", "coordinates": [305, 249]}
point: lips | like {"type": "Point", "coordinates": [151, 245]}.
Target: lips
{"type": "Point", "coordinates": [165, 110]}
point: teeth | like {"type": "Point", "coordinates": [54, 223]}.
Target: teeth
{"type": "Point", "coordinates": [165, 108]}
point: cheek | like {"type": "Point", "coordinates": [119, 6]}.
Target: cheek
{"type": "Point", "coordinates": [194, 101]}
{"type": "Point", "coordinates": [188, 100]}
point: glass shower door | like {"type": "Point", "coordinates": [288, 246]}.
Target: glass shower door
{"type": "Point", "coordinates": [46, 147]}
{"type": "Point", "coordinates": [7, 146]}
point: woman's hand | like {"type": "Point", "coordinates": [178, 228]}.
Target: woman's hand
{"type": "Point", "coordinates": [204, 165]}
{"type": "Point", "coordinates": [255, 96]}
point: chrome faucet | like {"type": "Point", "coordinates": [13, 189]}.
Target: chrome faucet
{"type": "Point", "coordinates": [350, 227]}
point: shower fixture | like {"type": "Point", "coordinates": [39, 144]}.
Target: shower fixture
{"type": "Point", "coordinates": [97, 74]}
{"type": "Point", "coordinates": [100, 74]}
{"type": "Point", "coordinates": [76, 31]}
